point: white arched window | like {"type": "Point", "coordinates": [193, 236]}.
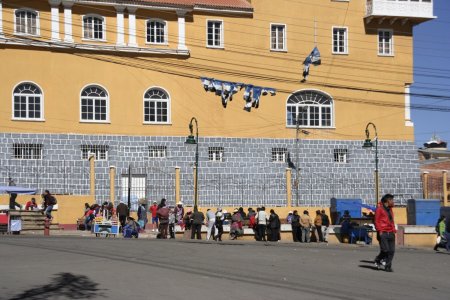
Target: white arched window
{"type": "Point", "coordinates": [156, 31]}
{"type": "Point", "coordinates": [27, 102]}
{"type": "Point", "coordinates": [312, 109]}
{"type": "Point", "coordinates": [26, 22]}
{"type": "Point", "coordinates": [94, 27]}
{"type": "Point", "coordinates": [156, 106]}
{"type": "Point", "coordinates": [94, 104]}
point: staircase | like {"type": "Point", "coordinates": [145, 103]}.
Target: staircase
{"type": "Point", "coordinates": [33, 222]}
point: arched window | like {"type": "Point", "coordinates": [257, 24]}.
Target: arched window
{"type": "Point", "coordinates": [94, 104]}
{"type": "Point", "coordinates": [26, 22]}
{"type": "Point", "coordinates": [27, 102]}
{"type": "Point", "coordinates": [94, 27]}
{"type": "Point", "coordinates": [156, 31]}
{"type": "Point", "coordinates": [156, 106]}
{"type": "Point", "coordinates": [312, 108]}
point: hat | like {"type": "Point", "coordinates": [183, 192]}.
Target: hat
{"type": "Point", "coordinates": [155, 202]}
{"type": "Point", "coordinates": [290, 212]}
{"type": "Point", "coordinates": [235, 210]}
{"type": "Point", "coordinates": [180, 203]}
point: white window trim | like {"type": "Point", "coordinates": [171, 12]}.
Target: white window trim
{"type": "Point", "coordinates": [166, 31]}
{"type": "Point", "coordinates": [217, 154]}
{"type": "Point", "coordinates": [169, 106]}
{"type": "Point", "coordinates": [332, 126]}
{"type": "Point", "coordinates": [38, 23]}
{"type": "Point", "coordinates": [82, 28]}
{"type": "Point", "coordinates": [41, 119]}
{"type": "Point", "coordinates": [392, 42]}
{"type": "Point", "coordinates": [107, 121]}
{"type": "Point", "coordinates": [222, 34]}
{"type": "Point", "coordinates": [346, 52]}
{"type": "Point", "coordinates": [285, 37]}
{"type": "Point", "coordinates": [21, 158]}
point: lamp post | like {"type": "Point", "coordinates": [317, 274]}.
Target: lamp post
{"type": "Point", "coordinates": [297, 159]}
{"type": "Point", "coordinates": [368, 144]}
{"type": "Point", "coordinates": [191, 140]}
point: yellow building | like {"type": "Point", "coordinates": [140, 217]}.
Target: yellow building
{"type": "Point", "coordinates": [121, 80]}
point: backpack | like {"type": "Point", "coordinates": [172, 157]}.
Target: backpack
{"type": "Point", "coordinates": [53, 200]}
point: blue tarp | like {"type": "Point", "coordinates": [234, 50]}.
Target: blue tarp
{"type": "Point", "coordinates": [17, 190]}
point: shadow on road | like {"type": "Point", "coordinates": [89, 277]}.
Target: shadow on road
{"type": "Point", "coordinates": [368, 267]}
{"type": "Point", "coordinates": [63, 285]}
{"type": "Point", "coordinates": [367, 261]}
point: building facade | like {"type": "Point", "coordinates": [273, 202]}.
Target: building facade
{"type": "Point", "coordinates": [121, 80]}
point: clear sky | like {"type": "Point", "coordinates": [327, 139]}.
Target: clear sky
{"type": "Point", "coordinates": [432, 75]}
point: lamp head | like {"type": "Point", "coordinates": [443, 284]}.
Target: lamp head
{"type": "Point", "coordinates": [367, 144]}
{"type": "Point", "coordinates": [190, 140]}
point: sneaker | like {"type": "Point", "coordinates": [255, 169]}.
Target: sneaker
{"type": "Point", "coordinates": [389, 269]}
{"type": "Point", "coordinates": [378, 264]}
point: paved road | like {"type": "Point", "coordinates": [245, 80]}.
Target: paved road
{"type": "Point", "coordinates": [90, 268]}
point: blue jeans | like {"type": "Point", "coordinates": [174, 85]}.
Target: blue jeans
{"type": "Point", "coordinates": [48, 211]}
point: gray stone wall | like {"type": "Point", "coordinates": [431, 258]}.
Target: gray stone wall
{"type": "Point", "coordinates": [246, 176]}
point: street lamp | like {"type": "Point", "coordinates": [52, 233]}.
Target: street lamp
{"type": "Point", "coordinates": [297, 160]}
{"type": "Point", "coordinates": [368, 144]}
{"type": "Point", "coordinates": [191, 140]}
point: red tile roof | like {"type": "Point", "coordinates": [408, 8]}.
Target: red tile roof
{"type": "Point", "coordinates": [214, 4]}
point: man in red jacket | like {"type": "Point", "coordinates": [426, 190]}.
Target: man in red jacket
{"type": "Point", "coordinates": [385, 226]}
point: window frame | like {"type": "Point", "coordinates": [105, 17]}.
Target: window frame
{"type": "Point", "coordinates": [215, 151]}
{"type": "Point", "coordinates": [222, 34]}
{"type": "Point", "coordinates": [169, 105]}
{"type": "Point", "coordinates": [391, 32]}
{"type": "Point", "coordinates": [107, 120]}
{"type": "Point", "coordinates": [278, 152]}
{"type": "Point", "coordinates": [159, 149]}
{"type": "Point", "coordinates": [41, 118]}
{"type": "Point", "coordinates": [83, 38]}
{"type": "Point", "coordinates": [339, 153]}
{"type": "Point", "coordinates": [346, 46]}
{"type": "Point", "coordinates": [26, 146]}
{"type": "Point", "coordinates": [96, 151]}
{"type": "Point", "coordinates": [165, 35]}
{"type": "Point", "coordinates": [320, 106]}
{"type": "Point", "coordinates": [38, 27]}
{"type": "Point", "coordinates": [284, 49]}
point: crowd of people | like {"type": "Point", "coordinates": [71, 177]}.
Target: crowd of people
{"type": "Point", "coordinates": [48, 201]}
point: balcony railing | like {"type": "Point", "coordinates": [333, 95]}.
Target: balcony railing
{"type": "Point", "coordinates": [420, 10]}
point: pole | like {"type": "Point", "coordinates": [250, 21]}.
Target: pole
{"type": "Point", "coordinates": [297, 167]}
{"type": "Point", "coordinates": [129, 189]}
{"type": "Point", "coordinates": [196, 167]}
{"type": "Point", "coordinates": [377, 174]}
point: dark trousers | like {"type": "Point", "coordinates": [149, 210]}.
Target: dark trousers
{"type": "Point", "coordinates": [387, 248]}
{"type": "Point", "coordinates": [219, 232]}
{"type": "Point", "coordinates": [275, 234]}
{"type": "Point", "coordinates": [172, 231]}
{"type": "Point", "coordinates": [163, 230]}
{"type": "Point", "coordinates": [319, 233]}
{"type": "Point", "coordinates": [262, 232]}
{"type": "Point", "coordinates": [296, 234]}
{"type": "Point", "coordinates": [122, 220]}
{"type": "Point", "coordinates": [196, 231]}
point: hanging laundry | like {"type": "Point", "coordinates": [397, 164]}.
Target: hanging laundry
{"type": "Point", "coordinates": [257, 91]}
{"type": "Point", "coordinates": [314, 59]}
{"type": "Point", "coordinates": [206, 82]}
{"type": "Point", "coordinates": [218, 86]}
{"type": "Point", "coordinates": [229, 89]}
{"type": "Point", "coordinates": [270, 91]}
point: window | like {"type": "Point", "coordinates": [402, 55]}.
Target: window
{"type": "Point", "coordinates": [385, 45]}
{"type": "Point", "coordinates": [278, 37]}
{"type": "Point", "coordinates": [156, 32]}
{"type": "Point", "coordinates": [279, 154]}
{"type": "Point", "coordinates": [94, 28]}
{"type": "Point", "coordinates": [215, 153]}
{"type": "Point", "coordinates": [340, 40]}
{"type": "Point", "coordinates": [27, 102]}
{"type": "Point", "coordinates": [100, 151]}
{"type": "Point", "coordinates": [312, 109]}
{"type": "Point", "coordinates": [156, 106]}
{"type": "Point", "coordinates": [27, 22]}
{"type": "Point", "coordinates": [157, 151]}
{"type": "Point", "coordinates": [27, 151]}
{"type": "Point", "coordinates": [94, 104]}
{"type": "Point", "coordinates": [341, 155]}
{"type": "Point", "coordinates": [215, 34]}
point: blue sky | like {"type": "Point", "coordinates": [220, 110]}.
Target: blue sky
{"type": "Point", "coordinates": [432, 75]}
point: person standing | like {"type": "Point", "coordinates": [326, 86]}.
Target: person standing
{"type": "Point", "coordinates": [305, 223]}
{"type": "Point", "coordinates": [325, 225]}
{"type": "Point", "coordinates": [163, 217]}
{"type": "Point", "coordinates": [122, 213]}
{"type": "Point", "coordinates": [142, 214]}
{"type": "Point", "coordinates": [275, 225]}
{"type": "Point", "coordinates": [318, 227]}
{"type": "Point", "coordinates": [219, 224]}
{"type": "Point", "coordinates": [12, 201]}
{"type": "Point", "coordinates": [385, 226]}
{"type": "Point", "coordinates": [197, 221]}
{"type": "Point", "coordinates": [261, 218]}
{"type": "Point", "coordinates": [210, 222]}
{"type": "Point", "coordinates": [49, 202]}
{"type": "Point", "coordinates": [295, 224]}
{"type": "Point", "coordinates": [179, 214]}
{"type": "Point", "coordinates": [153, 209]}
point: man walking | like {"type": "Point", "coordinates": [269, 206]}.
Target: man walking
{"type": "Point", "coordinates": [261, 218]}
{"type": "Point", "coordinates": [210, 223]}
{"type": "Point", "coordinates": [385, 226]}
{"type": "Point", "coordinates": [325, 225]}
{"type": "Point", "coordinates": [305, 223]}
{"type": "Point", "coordinates": [197, 221]}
